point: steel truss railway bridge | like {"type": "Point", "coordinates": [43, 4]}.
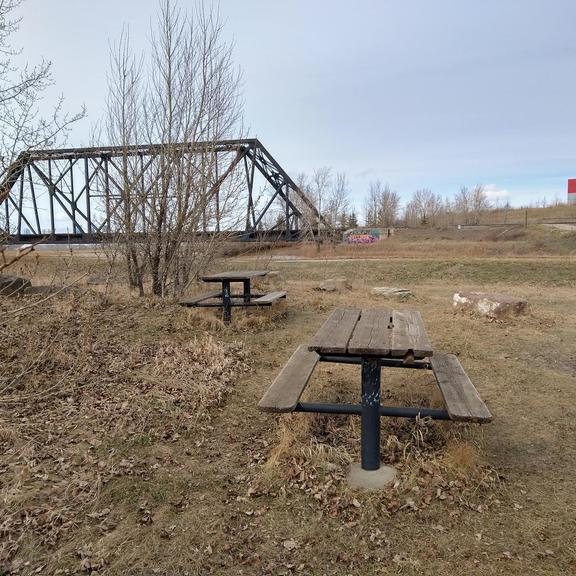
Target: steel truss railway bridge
{"type": "Point", "coordinates": [74, 194]}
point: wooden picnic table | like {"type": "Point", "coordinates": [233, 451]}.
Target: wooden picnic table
{"type": "Point", "coordinates": [226, 300]}
{"type": "Point", "coordinates": [382, 332]}
{"type": "Point", "coordinates": [375, 339]}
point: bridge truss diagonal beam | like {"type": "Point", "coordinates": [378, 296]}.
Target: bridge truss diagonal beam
{"type": "Point", "coordinates": [79, 191]}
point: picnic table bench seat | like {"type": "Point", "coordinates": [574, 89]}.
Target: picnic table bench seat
{"type": "Point", "coordinates": [463, 403]}
{"type": "Point", "coordinates": [288, 386]}
{"type": "Point", "coordinates": [197, 299]}
{"type": "Point", "coordinates": [269, 299]}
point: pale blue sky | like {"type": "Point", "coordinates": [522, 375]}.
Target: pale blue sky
{"type": "Point", "coordinates": [416, 93]}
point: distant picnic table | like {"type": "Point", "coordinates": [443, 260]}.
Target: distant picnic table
{"type": "Point", "coordinates": [375, 339]}
{"type": "Point", "coordinates": [224, 298]}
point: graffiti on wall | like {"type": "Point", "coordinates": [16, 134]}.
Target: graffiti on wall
{"type": "Point", "coordinates": [362, 236]}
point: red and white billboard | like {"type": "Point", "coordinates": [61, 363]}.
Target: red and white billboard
{"type": "Point", "coordinates": [571, 190]}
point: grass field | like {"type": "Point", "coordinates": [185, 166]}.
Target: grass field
{"type": "Point", "coordinates": [130, 440]}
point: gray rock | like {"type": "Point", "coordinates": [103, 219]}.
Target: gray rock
{"type": "Point", "coordinates": [13, 285]}
{"type": "Point", "coordinates": [401, 293]}
{"type": "Point", "coordinates": [490, 304]}
{"type": "Point", "coordinates": [335, 285]}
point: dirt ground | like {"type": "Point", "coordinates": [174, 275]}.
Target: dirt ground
{"type": "Point", "coordinates": [131, 443]}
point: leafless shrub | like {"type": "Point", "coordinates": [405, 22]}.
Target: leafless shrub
{"type": "Point", "coordinates": [188, 92]}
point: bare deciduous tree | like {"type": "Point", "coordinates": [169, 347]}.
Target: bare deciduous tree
{"type": "Point", "coordinates": [480, 202]}
{"type": "Point", "coordinates": [331, 196]}
{"type": "Point", "coordinates": [424, 207]}
{"type": "Point", "coordinates": [319, 188]}
{"type": "Point", "coordinates": [188, 92]}
{"type": "Point", "coordinates": [22, 125]}
{"type": "Point", "coordinates": [382, 205]}
{"type": "Point", "coordinates": [338, 201]}
{"type": "Point", "coordinates": [470, 204]}
{"type": "Point", "coordinates": [462, 204]}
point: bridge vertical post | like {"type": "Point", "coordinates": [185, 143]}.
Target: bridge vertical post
{"type": "Point", "coordinates": [107, 194]}
{"type": "Point", "coordinates": [252, 169]}
{"type": "Point", "coordinates": [88, 210]}
{"type": "Point", "coordinates": [287, 212]}
{"type": "Point", "coordinates": [20, 204]}
{"type": "Point", "coordinates": [249, 183]}
{"type": "Point", "coordinates": [51, 196]}
{"type": "Point", "coordinates": [76, 228]}
{"type": "Point", "coordinates": [33, 194]}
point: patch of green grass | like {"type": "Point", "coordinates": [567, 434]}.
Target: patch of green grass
{"type": "Point", "coordinates": [142, 440]}
{"type": "Point", "coordinates": [131, 490]}
{"type": "Point", "coordinates": [479, 271]}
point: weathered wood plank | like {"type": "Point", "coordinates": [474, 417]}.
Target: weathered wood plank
{"type": "Point", "coordinates": [372, 335]}
{"type": "Point", "coordinates": [196, 299]}
{"type": "Point", "coordinates": [268, 299]}
{"type": "Point", "coordinates": [288, 386]}
{"type": "Point", "coordinates": [409, 335]}
{"type": "Point", "coordinates": [335, 333]}
{"type": "Point", "coordinates": [462, 400]}
{"type": "Point", "coordinates": [234, 275]}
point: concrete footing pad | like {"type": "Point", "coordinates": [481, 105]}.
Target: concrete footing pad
{"type": "Point", "coordinates": [371, 479]}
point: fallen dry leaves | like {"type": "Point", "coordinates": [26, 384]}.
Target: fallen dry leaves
{"type": "Point", "coordinates": [75, 390]}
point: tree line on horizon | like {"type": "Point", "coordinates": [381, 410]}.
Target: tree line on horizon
{"type": "Point", "coordinates": [383, 206]}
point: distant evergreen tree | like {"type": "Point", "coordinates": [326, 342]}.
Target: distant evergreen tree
{"type": "Point", "coordinates": [352, 220]}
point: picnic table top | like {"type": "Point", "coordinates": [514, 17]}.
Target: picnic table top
{"type": "Point", "coordinates": [234, 275]}
{"type": "Point", "coordinates": [382, 332]}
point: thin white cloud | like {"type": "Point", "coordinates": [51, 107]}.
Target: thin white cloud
{"type": "Point", "coordinates": [495, 193]}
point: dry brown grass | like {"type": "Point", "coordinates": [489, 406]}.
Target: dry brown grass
{"type": "Point", "coordinates": [482, 242]}
{"type": "Point", "coordinates": [131, 442]}
{"type": "Point", "coordinates": [77, 395]}
{"type": "Point", "coordinates": [244, 319]}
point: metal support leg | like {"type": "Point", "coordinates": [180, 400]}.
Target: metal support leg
{"type": "Point", "coordinates": [246, 290]}
{"type": "Point", "coordinates": [370, 429]}
{"type": "Point", "coordinates": [226, 302]}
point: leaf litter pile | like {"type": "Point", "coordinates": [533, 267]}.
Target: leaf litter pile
{"type": "Point", "coordinates": [79, 382]}
{"type": "Point", "coordinates": [436, 463]}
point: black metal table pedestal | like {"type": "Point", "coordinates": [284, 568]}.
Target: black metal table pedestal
{"type": "Point", "coordinates": [227, 298]}
{"type": "Point", "coordinates": [370, 427]}
{"type": "Point", "coordinates": [226, 302]}
{"type": "Point", "coordinates": [246, 290]}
